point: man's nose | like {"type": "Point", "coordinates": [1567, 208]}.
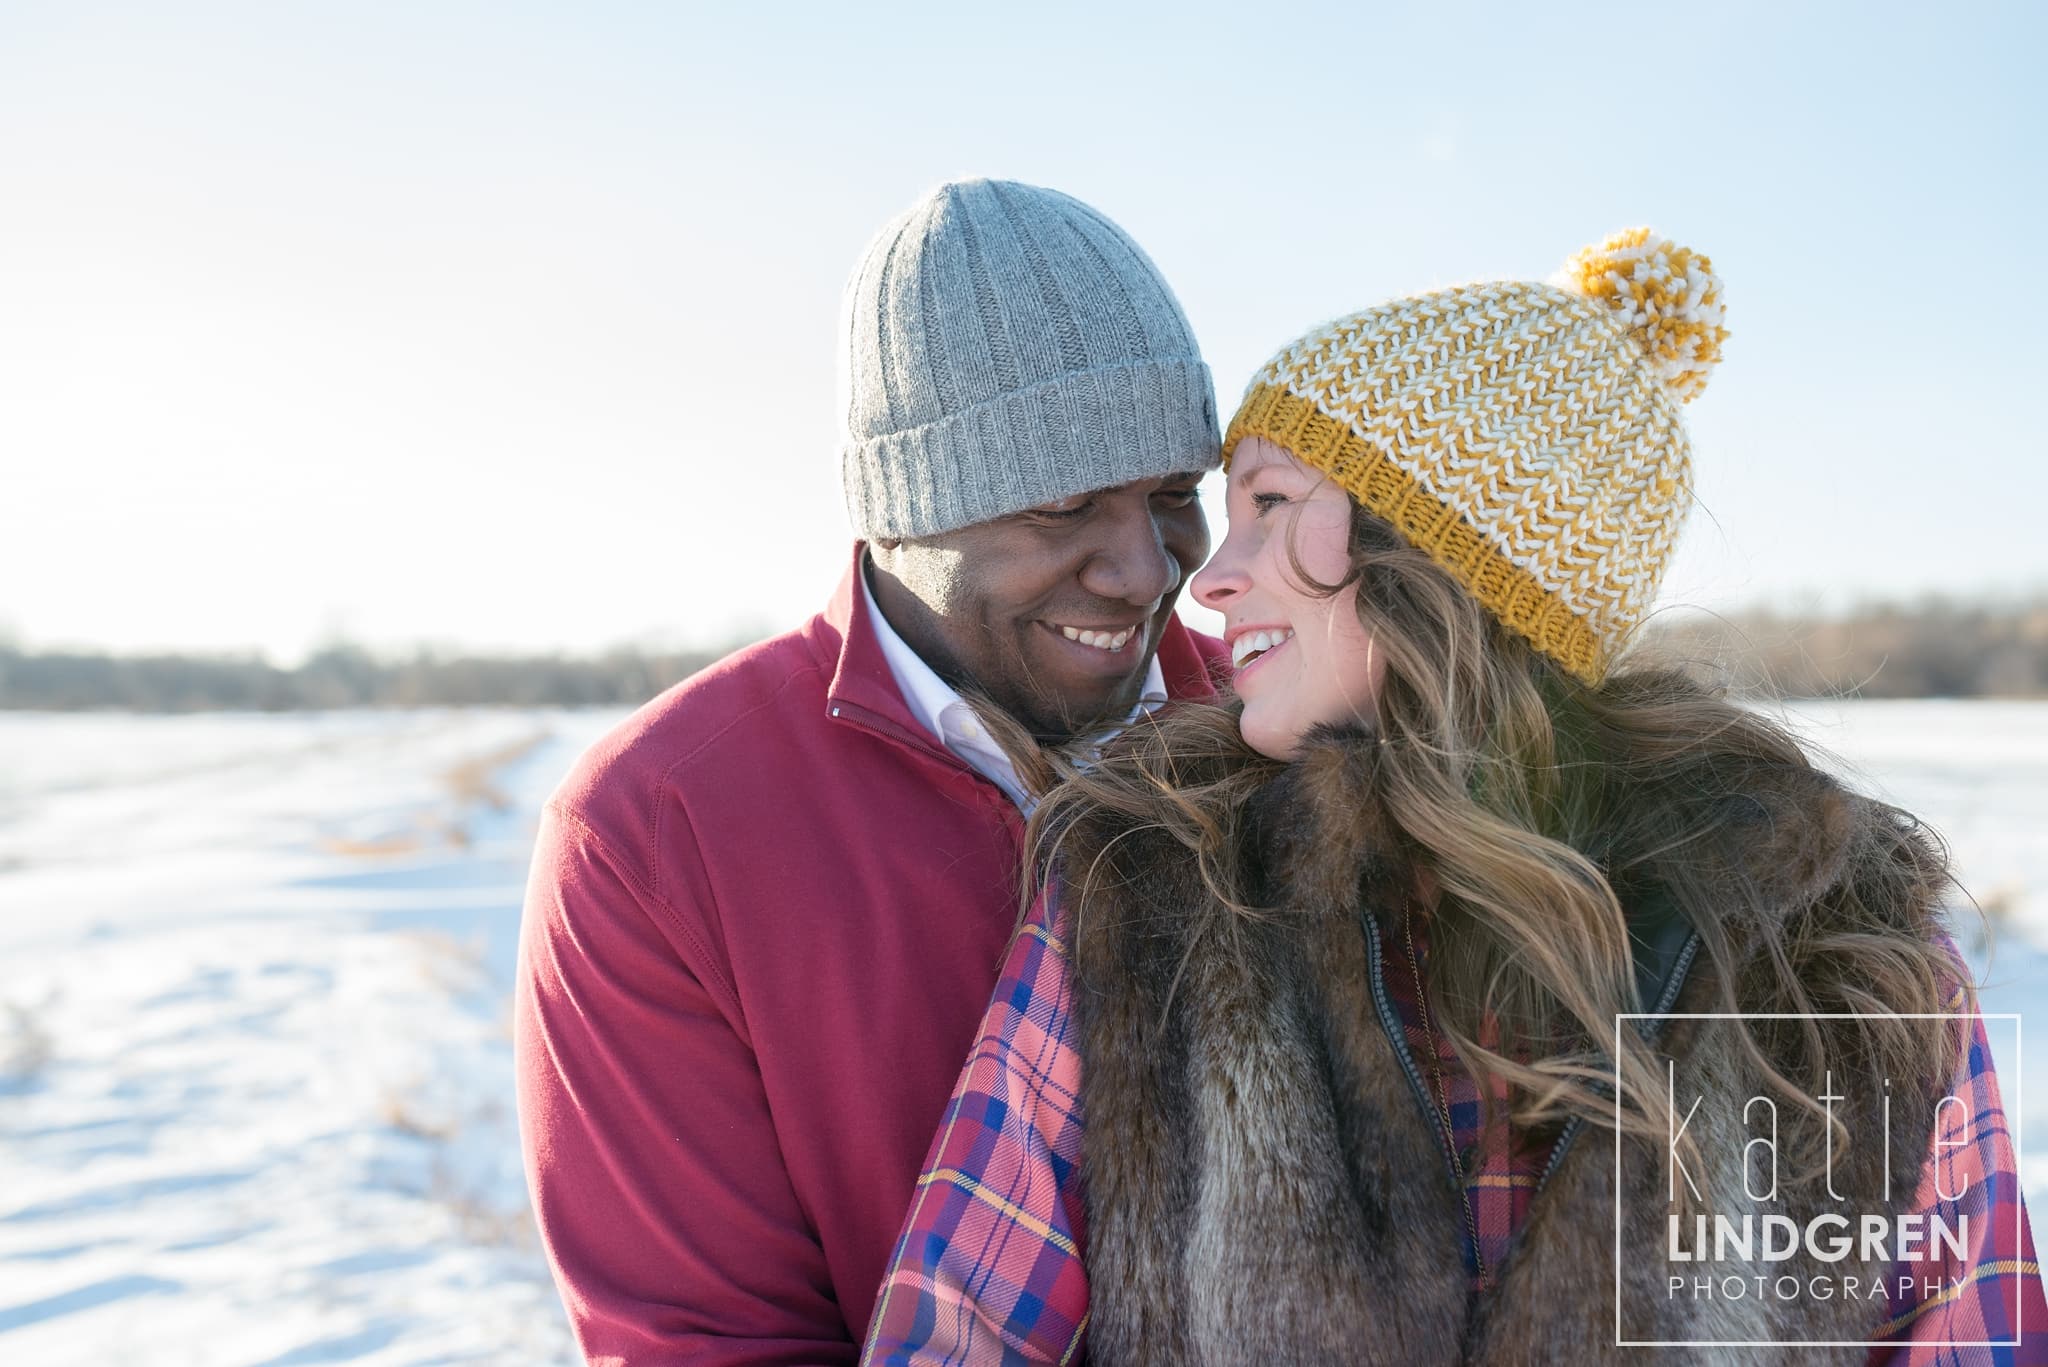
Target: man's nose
{"type": "Point", "coordinates": [1132, 562]}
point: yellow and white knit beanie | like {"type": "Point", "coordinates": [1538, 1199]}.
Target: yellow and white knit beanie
{"type": "Point", "coordinates": [1526, 436]}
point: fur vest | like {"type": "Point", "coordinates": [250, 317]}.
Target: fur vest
{"type": "Point", "coordinates": [1264, 1183]}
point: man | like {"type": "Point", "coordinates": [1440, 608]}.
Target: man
{"type": "Point", "coordinates": [767, 911]}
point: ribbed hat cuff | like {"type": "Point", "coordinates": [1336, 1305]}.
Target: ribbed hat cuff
{"type": "Point", "coordinates": [1298, 424]}
{"type": "Point", "coordinates": [1087, 430]}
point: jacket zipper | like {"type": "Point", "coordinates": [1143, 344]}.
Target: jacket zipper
{"type": "Point", "coordinates": [1390, 1022]}
{"type": "Point", "coordinates": [924, 748]}
{"type": "Point", "coordinates": [1679, 970]}
{"type": "Point", "coordinates": [915, 741]}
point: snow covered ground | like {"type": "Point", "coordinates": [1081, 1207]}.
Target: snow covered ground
{"type": "Point", "coordinates": [255, 1065]}
{"type": "Point", "coordinates": [255, 1075]}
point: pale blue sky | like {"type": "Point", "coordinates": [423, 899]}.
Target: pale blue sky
{"type": "Point", "coordinates": [512, 325]}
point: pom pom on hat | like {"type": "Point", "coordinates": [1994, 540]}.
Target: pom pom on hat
{"type": "Point", "coordinates": [1666, 295]}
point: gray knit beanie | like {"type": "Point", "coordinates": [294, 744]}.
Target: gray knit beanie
{"type": "Point", "coordinates": [1007, 346]}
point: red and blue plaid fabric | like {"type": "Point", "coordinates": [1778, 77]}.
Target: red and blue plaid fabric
{"type": "Point", "coordinates": [989, 1265]}
{"type": "Point", "coordinates": [988, 1268]}
{"type": "Point", "coordinates": [1917, 1329]}
{"type": "Point", "coordinates": [1500, 1176]}
{"type": "Point", "coordinates": [1995, 1289]}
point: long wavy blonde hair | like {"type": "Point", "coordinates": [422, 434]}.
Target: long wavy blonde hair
{"type": "Point", "coordinates": [1527, 798]}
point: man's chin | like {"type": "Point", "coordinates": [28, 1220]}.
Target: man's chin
{"type": "Point", "coordinates": [1079, 712]}
{"type": "Point", "coordinates": [1056, 701]}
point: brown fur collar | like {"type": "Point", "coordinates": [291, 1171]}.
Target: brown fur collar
{"type": "Point", "coordinates": [1261, 1182]}
{"type": "Point", "coordinates": [1787, 834]}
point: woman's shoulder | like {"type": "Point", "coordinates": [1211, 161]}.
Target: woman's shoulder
{"type": "Point", "coordinates": [1776, 842]}
{"type": "Point", "coordinates": [1827, 900]}
{"type": "Point", "coordinates": [1130, 892]}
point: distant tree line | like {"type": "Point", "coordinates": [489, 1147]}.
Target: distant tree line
{"type": "Point", "coordinates": [338, 676]}
{"type": "Point", "coordinates": [1936, 648]}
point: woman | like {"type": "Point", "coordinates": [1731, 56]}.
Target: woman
{"type": "Point", "coordinates": [1341, 976]}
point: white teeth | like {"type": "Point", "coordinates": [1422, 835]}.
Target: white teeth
{"type": "Point", "coordinates": [1101, 640]}
{"type": "Point", "coordinates": [1254, 642]}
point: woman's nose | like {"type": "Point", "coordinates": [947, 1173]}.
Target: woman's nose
{"type": "Point", "coordinates": [1219, 581]}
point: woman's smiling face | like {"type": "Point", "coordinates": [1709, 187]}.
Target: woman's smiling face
{"type": "Point", "coordinates": [1301, 657]}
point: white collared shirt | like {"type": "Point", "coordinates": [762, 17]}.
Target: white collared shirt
{"type": "Point", "coordinates": [946, 714]}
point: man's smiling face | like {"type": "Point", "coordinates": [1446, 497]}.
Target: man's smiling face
{"type": "Point", "coordinates": [1056, 612]}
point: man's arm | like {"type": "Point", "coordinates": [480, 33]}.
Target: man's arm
{"type": "Point", "coordinates": [655, 1170]}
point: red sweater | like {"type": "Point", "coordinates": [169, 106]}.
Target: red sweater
{"type": "Point", "coordinates": [764, 919]}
